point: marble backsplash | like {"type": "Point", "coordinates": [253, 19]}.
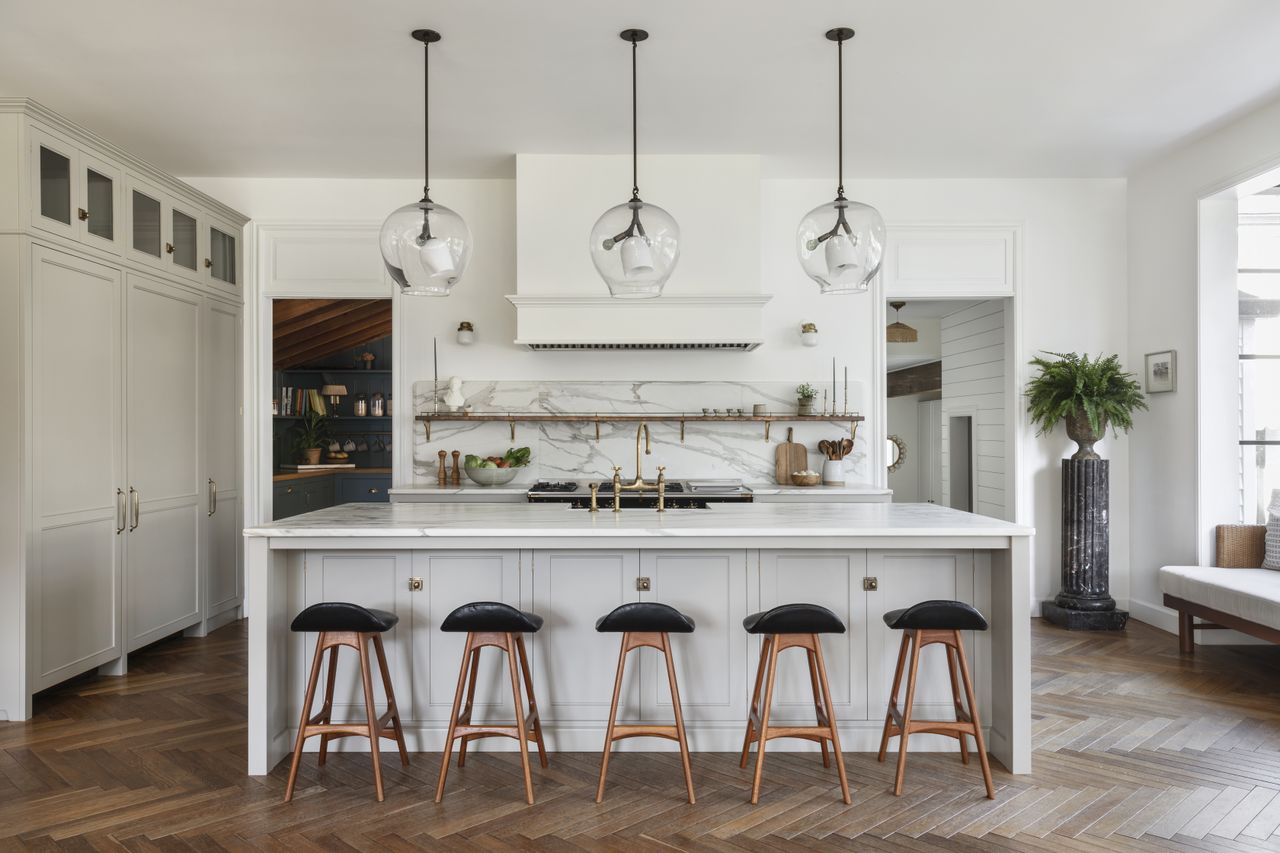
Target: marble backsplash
{"type": "Point", "coordinates": [570, 451]}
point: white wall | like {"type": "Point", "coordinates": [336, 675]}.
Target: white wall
{"type": "Point", "coordinates": [1168, 526]}
{"type": "Point", "coordinates": [1071, 273]}
{"type": "Point", "coordinates": [903, 418]}
{"type": "Point", "coordinates": [973, 385]}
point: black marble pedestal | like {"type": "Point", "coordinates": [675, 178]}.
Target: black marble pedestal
{"type": "Point", "coordinates": [1085, 602]}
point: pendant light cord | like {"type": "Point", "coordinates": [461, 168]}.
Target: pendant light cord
{"type": "Point", "coordinates": [426, 124]}
{"type": "Point", "coordinates": [840, 119]}
{"type": "Point", "coordinates": [635, 147]}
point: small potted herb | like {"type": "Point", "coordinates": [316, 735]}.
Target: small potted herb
{"type": "Point", "coordinates": [805, 395]}
{"type": "Point", "coordinates": [1089, 395]}
{"type": "Point", "coordinates": [309, 437]}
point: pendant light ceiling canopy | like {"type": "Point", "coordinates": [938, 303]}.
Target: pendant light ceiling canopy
{"type": "Point", "coordinates": [841, 243]}
{"type": "Point", "coordinates": [635, 245]}
{"type": "Point", "coordinates": [425, 245]}
{"type": "Point", "coordinates": [898, 332]}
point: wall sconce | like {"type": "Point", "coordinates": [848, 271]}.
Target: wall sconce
{"type": "Point", "coordinates": [335, 393]}
{"type": "Point", "coordinates": [466, 333]}
{"type": "Point", "coordinates": [809, 334]}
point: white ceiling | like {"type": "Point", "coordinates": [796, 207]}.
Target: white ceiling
{"type": "Point", "coordinates": [935, 87]}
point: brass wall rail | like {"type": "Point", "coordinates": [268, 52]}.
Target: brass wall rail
{"type": "Point", "coordinates": [513, 418]}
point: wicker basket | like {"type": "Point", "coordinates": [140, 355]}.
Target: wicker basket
{"type": "Point", "coordinates": [1240, 546]}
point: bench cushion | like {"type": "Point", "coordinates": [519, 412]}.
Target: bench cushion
{"type": "Point", "coordinates": [1250, 594]}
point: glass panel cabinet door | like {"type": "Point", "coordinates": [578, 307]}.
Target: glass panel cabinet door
{"type": "Point", "coordinates": [55, 185]}
{"type": "Point", "coordinates": [146, 224]}
{"type": "Point", "coordinates": [222, 256]}
{"type": "Point", "coordinates": [99, 211]}
{"type": "Point", "coordinates": [183, 247]}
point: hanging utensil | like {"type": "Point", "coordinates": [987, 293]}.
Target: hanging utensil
{"type": "Point", "coordinates": [846, 447]}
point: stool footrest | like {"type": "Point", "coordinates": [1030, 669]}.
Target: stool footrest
{"type": "Point", "coordinates": [668, 732]}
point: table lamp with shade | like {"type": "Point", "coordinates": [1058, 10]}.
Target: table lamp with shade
{"type": "Point", "coordinates": [334, 392]}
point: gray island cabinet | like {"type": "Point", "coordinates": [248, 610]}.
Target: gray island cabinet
{"type": "Point", "coordinates": [571, 566]}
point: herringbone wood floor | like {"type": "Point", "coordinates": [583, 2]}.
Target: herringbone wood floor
{"type": "Point", "coordinates": [1137, 749]}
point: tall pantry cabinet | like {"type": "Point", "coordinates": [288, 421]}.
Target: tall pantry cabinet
{"type": "Point", "coordinates": [120, 437]}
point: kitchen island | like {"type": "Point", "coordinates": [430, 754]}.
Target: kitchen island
{"type": "Point", "coordinates": [571, 566]}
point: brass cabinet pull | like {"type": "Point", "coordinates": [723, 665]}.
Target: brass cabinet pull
{"type": "Point", "coordinates": [288, 490]}
{"type": "Point", "coordinates": [120, 520]}
{"type": "Point", "coordinates": [207, 263]}
{"type": "Point", "coordinates": [373, 491]}
{"type": "Point", "coordinates": [168, 248]}
{"type": "Point", "coordinates": [213, 496]}
{"type": "Point", "coordinates": [136, 505]}
{"type": "Point", "coordinates": [82, 213]}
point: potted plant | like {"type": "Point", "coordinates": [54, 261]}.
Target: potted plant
{"type": "Point", "coordinates": [309, 437]}
{"type": "Point", "coordinates": [1089, 395]}
{"type": "Point", "coordinates": [805, 395]}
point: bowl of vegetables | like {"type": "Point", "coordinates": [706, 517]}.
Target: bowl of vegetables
{"type": "Point", "coordinates": [496, 470]}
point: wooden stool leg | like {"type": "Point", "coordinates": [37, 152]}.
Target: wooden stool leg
{"type": "Point", "coordinates": [764, 719]}
{"type": "Point", "coordinates": [817, 701]}
{"type": "Point", "coordinates": [521, 729]}
{"type": "Point", "coordinates": [328, 702]}
{"type": "Point", "coordinates": [755, 700]}
{"type": "Point", "coordinates": [391, 699]}
{"type": "Point", "coordinates": [375, 738]}
{"type": "Point", "coordinates": [973, 715]}
{"type": "Point", "coordinates": [906, 713]}
{"type": "Point", "coordinates": [893, 694]}
{"type": "Point", "coordinates": [831, 720]}
{"type": "Point", "coordinates": [675, 702]}
{"type": "Point", "coordinates": [533, 702]}
{"type": "Point", "coordinates": [306, 717]}
{"type": "Point", "coordinates": [955, 698]}
{"type": "Point", "coordinates": [469, 708]}
{"type": "Point", "coordinates": [613, 717]}
{"type": "Point", "coordinates": [453, 720]}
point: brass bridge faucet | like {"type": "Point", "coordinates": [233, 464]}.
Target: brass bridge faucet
{"type": "Point", "coordinates": [639, 484]}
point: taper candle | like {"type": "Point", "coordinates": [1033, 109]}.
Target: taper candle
{"type": "Point", "coordinates": [846, 389]}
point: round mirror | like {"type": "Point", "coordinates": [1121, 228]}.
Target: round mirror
{"type": "Point", "coordinates": [895, 450]}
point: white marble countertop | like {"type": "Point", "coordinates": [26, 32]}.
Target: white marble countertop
{"type": "Point", "coordinates": [846, 489]}
{"type": "Point", "coordinates": [744, 521]}
{"type": "Point", "coordinates": [467, 488]}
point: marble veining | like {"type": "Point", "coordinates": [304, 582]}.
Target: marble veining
{"type": "Point", "coordinates": [530, 521]}
{"type": "Point", "coordinates": [571, 452]}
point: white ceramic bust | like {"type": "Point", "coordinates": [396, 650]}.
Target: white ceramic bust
{"type": "Point", "coordinates": [453, 397]}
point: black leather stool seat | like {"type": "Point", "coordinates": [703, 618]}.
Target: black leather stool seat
{"type": "Point", "coordinates": [641, 616]}
{"type": "Point", "coordinates": [491, 616]}
{"type": "Point", "coordinates": [937, 615]}
{"type": "Point", "coordinates": [343, 616]}
{"type": "Point", "coordinates": [794, 619]}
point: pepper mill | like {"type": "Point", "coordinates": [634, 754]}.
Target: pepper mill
{"type": "Point", "coordinates": [457, 472]}
{"type": "Point", "coordinates": [442, 475]}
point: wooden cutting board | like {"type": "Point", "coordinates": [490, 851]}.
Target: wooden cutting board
{"type": "Point", "coordinates": [789, 457]}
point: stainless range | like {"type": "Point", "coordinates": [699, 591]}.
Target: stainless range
{"type": "Point", "coordinates": [679, 495]}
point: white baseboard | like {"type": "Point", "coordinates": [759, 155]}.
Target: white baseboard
{"type": "Point", "coordinates": [1159, 616]}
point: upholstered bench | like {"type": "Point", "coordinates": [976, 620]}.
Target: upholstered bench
{"type": "Point", "coordinates": [1234, 594]}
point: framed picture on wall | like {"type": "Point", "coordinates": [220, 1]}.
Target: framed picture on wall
{"type": "Point", "coordinates": [1162, 371]}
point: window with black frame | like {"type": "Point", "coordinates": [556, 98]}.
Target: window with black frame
{"type": "Point", "coordinates": [1259, 377]}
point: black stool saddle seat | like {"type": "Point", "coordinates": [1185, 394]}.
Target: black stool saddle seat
{"type": "Point", "coordinates": [491, 616]}
{"type": "Point", "coordinates": [794, 619]}
{"type": "Point", "coordinates": [645, 616]}
{"type": "Point", "coordinates": [937, 615]}
{"type": "Point", "coordinates": [343, 616]}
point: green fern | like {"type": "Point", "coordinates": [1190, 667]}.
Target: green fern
{"type": "Point", "coordinates": [1073, 383]}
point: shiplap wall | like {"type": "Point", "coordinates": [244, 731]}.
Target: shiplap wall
{"type": "Point", "coordinates": [973, 383]}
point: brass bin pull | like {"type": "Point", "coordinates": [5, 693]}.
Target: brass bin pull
{"type": "Point", "coordinates": [136, 506]}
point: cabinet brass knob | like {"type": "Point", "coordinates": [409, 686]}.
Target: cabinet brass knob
{"type": "Point", "coordinates": [207, 263]}
{"type": "Point", "coordinates": [82, 213]}
{"type": "Point", "coordinates": [373, 491]}
{"type": "Point", "coordinates": [289, 490]}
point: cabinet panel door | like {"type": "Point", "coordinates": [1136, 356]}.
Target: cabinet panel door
{"type": "Point", "coordinates": [76, 347]}
{"type": "Point", "coordinates": [451, 579]}
{"type": "Point", "coordinates": [221, 415]}
{"type": "Point", "coordinates": [222, 261]}
{"type": "Point", "coordinates": [99, 214]}
{"type": "Point", "coordinates": [182, 246]}
{"type": "Point", "coordinates": [147, 230]}
{"type": "Point", "coordinates": [711, 663]}
{"type": "Point", "coordinates": [834, 580]}
{"type": "Point", "coordinates": [54, 191]}
{"type": "Point", "coordinates": [377, 579]}
{"type": "Point", "coordinates": [907, 578]}
{"type": "Point", "coordinates": [163, 559]}
{"type": "Point", "coordinates": [574, 666]}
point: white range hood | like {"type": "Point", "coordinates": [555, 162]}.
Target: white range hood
{"type": "Point", "coordinates": [712, 302]}
{"type": "Point", "coordinates": [713, 321]}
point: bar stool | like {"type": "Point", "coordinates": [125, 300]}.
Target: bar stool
{"type": "Point", "coordinates": [924, 624]}
{"type": "Point", "coordinates": [342, 624]}
{"type": "Point", "coordinates": [645, 623]}
{"type": "Point", "coordinates": [490, 623]}
{"type": "Point", "coordinates": [784, 627]}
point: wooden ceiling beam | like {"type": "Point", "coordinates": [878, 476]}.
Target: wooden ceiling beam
{"type": "Point", "coordinates": [348, 340]}
{"type": "Point", "coordinates": [325, 312]}
{"type": "Point", "coordinates": [320, 331]}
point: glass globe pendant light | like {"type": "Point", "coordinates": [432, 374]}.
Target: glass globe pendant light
{"type": "Point", "coordinates": [635, 245]}
{"type": "Point", "coordinates": [426, 246]}
{"type": "Point", "coordinates": [841, 243]}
